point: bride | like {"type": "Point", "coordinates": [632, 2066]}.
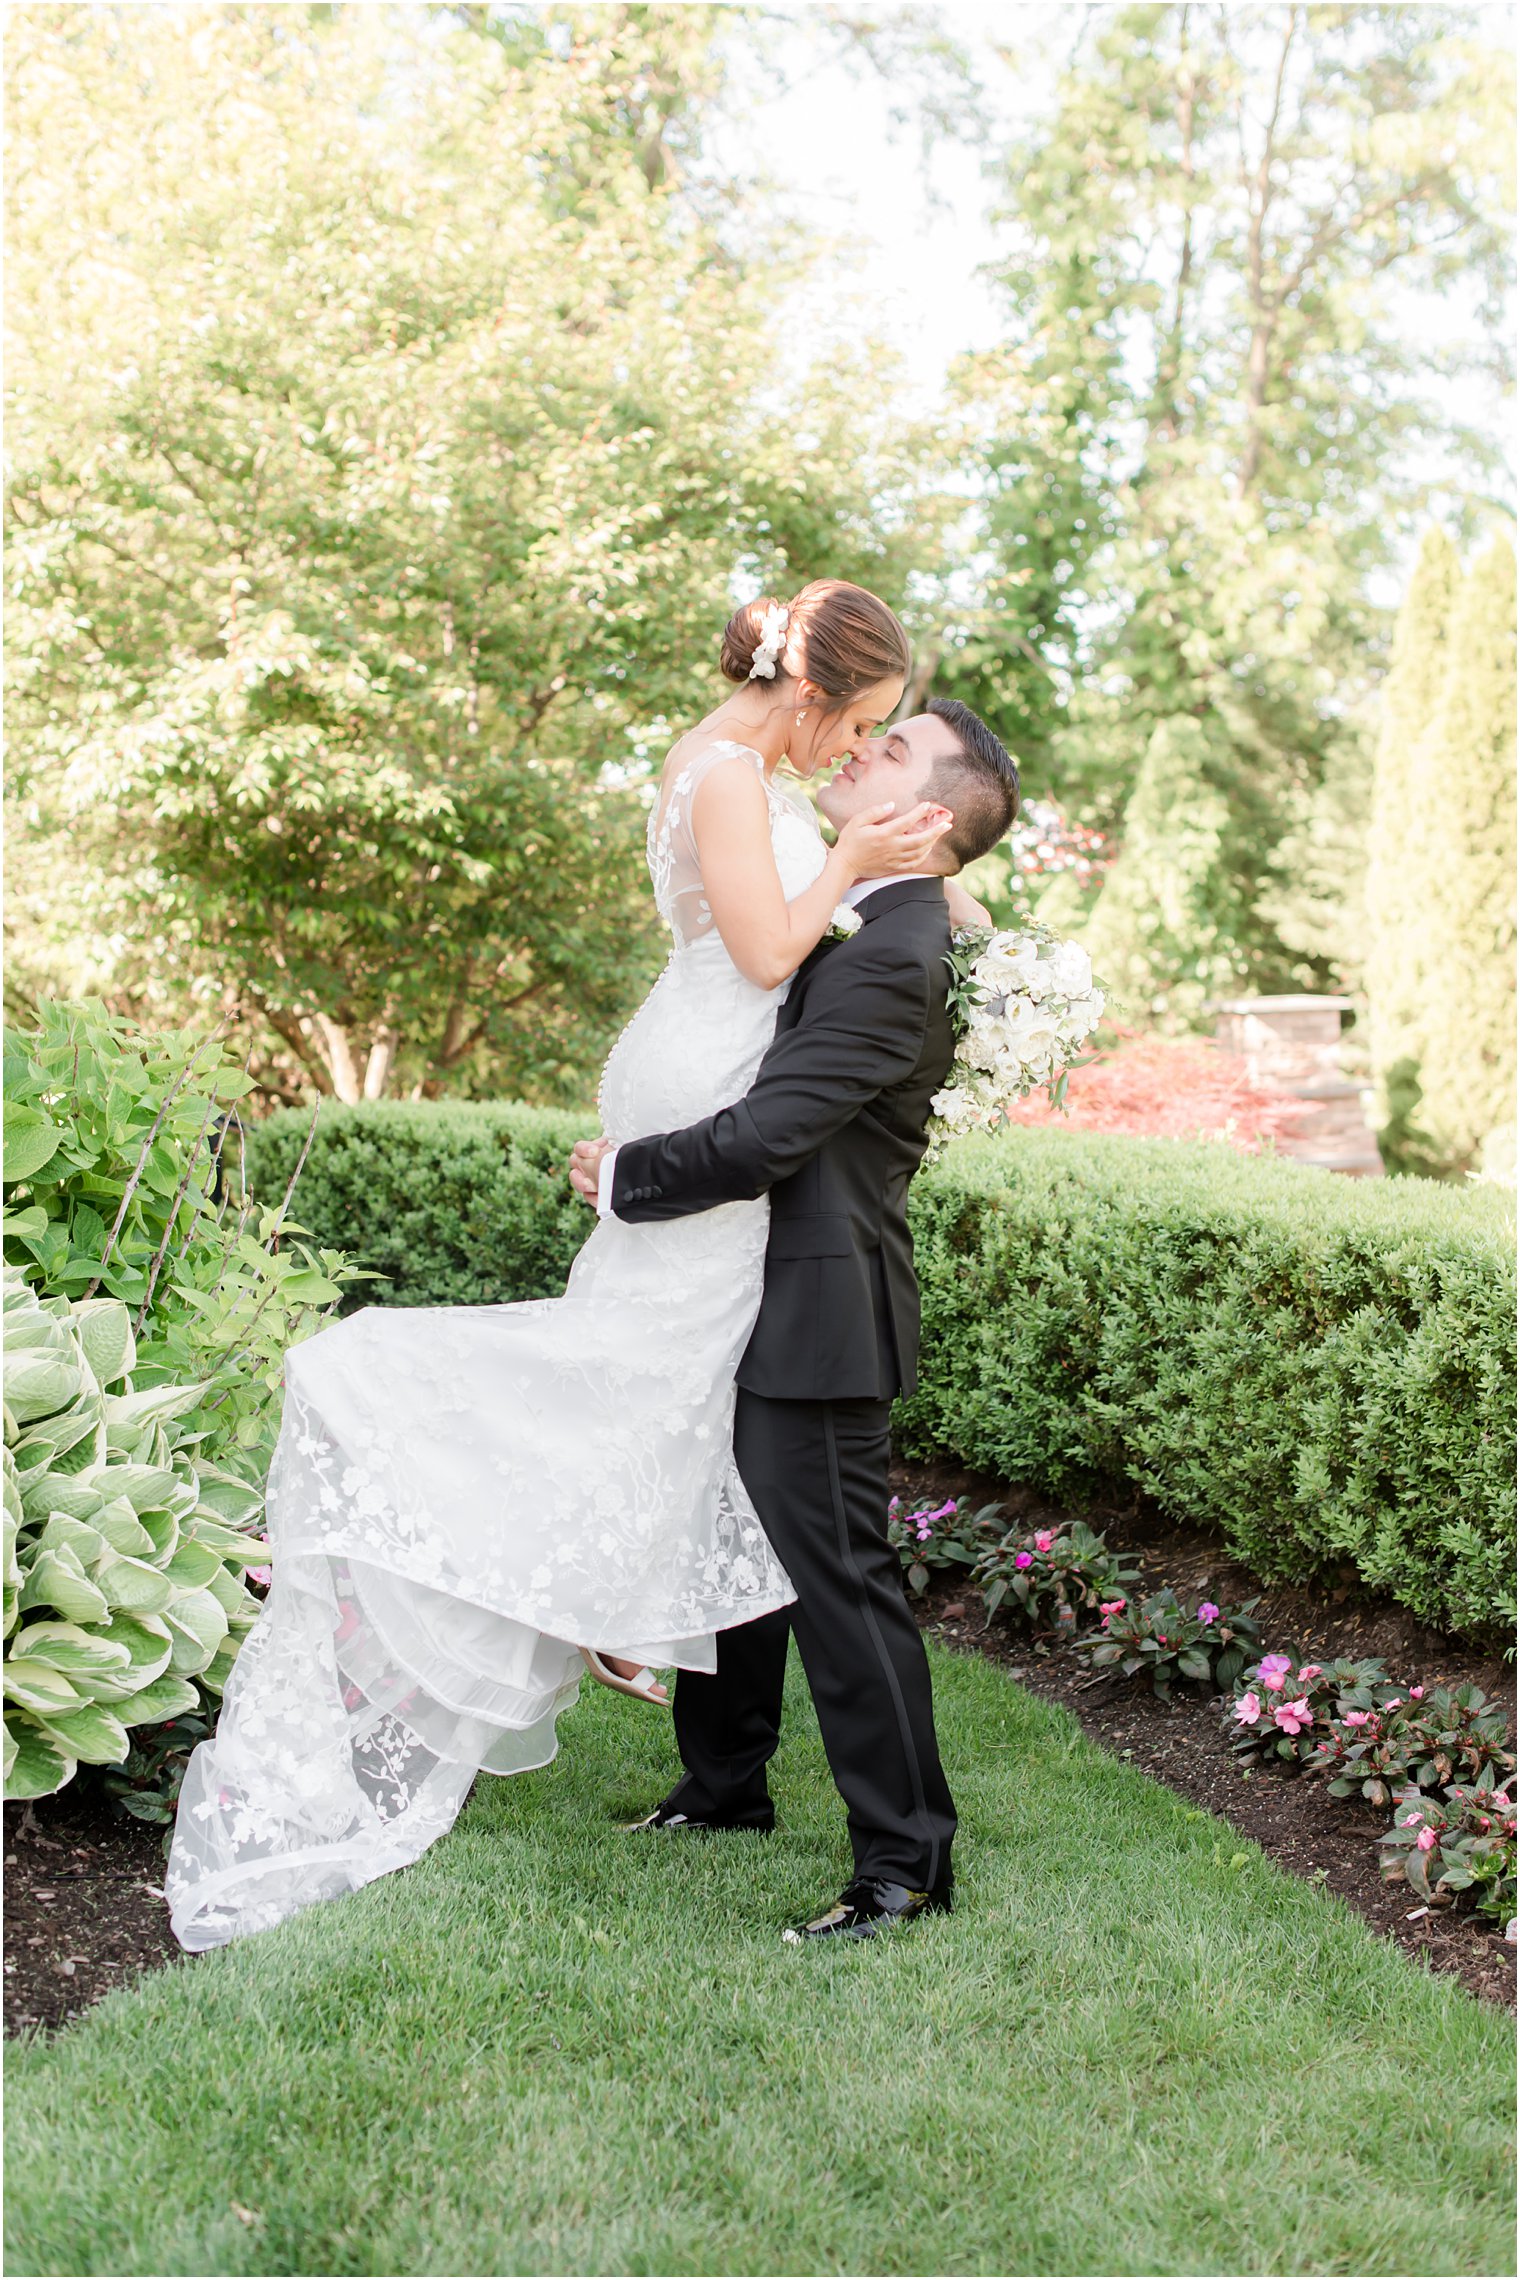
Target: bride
{"type": "Point", "coordinates": [465, 1502]}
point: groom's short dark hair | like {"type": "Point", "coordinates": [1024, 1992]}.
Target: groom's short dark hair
{"type": "Point", "coordinates": [979, 783]}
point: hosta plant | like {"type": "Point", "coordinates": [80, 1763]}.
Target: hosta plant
{"type": "Point", "coordinates": [938, 1536]}
{"type": "Point", "coordinates": [125, 1550]}
{"type": "Point", "coordinates": [1281, 1707]}
{"type": "Point", "coordinates": [1158, 1638]}
{"type": "Point", "coordinates": [115, 1188]}
{"type": "Point", "coordinates": [1384, 1740]}
{"type": "Point", "coordinates": [1050, 1578]}
{"type": "Point", "coordinates": [1461, 1841]}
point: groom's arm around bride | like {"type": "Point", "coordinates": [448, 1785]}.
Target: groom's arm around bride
{"type": "Point", "coordinates": [833, 1128]}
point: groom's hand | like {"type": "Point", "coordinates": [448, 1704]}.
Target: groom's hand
{"type": "Point", "coordinates": [585, 1162]}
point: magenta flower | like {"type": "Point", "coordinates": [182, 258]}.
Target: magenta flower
{"type": "Point", "coordinates": [1273, 1670]}
{"type": "Point", "coordinates": [1023, 1559]}
{"type": "Point", "coordinates": [1043, 1539]}
{"type": "Point", "coordinates": [262, 1576]}
{"type": "Point", "coordinates": [1294, 1716]}
{"type": "Point", "coordinates": [1356, 1717]}
{"type": "Point", "coordinates": [1425, 1840]}
{"type": "Point", "coordinates": [1112, 1606]}
{"type": "Point", "coordinates": [1248, 1709]}
{"type": "Point", "coordinates": [1208, 1612]}
{"type": "Point", "coordinates": [1415, 1692]}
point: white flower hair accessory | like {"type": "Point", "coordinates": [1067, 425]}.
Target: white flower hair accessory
{"type": "Point", "coordinates": [768, 648]}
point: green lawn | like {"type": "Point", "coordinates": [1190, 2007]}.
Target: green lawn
{"type": "Point", "coordinates": [552, 2048]}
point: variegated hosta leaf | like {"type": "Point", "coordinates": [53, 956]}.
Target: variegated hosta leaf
{"type": "Point", "coordinates": [225, 1497]}
{"type": "Point", "coordinates": [36, 1686]}
{"type": "Point", "coordinates": [77, 1652]}
{"type": "Point", "coordinates": [57, 1579]}
{"type": "Point", "coordinates": [198, 1626]}
{"type": "Point", "coordinates": [49, 1492]}
{"type": "Point", "coordinates": [104, 1329]}
{"type": "Point", "coordinates": [92, 1734]}
{"type": "Point", "coordinates": [146, 1639]}
{"type": "Point", "coordinates": [37, 1385]}
{"type": "Point", "coordinates": [35, 1766]}
{"type": "Point", "coordinates": [168, 1697]}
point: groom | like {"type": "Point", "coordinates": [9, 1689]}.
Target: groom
{"type": "Point", "coordinates": [833, 1128]}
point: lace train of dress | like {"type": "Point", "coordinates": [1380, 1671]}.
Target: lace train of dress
{"type": "Point", "coordinates": [461, 1496]}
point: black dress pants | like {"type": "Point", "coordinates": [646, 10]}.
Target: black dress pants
{"type": "Point", "coordinates": [817, 1472]}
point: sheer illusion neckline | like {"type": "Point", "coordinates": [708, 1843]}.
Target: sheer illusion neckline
{"type": "Point", "coordinates": [673, 772]}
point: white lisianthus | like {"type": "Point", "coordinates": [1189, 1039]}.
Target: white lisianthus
{"type": "Point", "coordinates": [844, 923]}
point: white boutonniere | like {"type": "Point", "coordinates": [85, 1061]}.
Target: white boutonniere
{"type": "Point", "coordinates": [843, 924]}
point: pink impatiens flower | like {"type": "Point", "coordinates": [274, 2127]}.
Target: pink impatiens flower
{"type": "Point", "coordinates": [1023, 1559]}
{"type": "Point", "coordinates": [1293, 1716]}
{"type": "Point", "coordinates": [1415, 1692]}
{"type": "Point", "coordinates": [1044, 1538]}
{"type": "Point", "coordinates": [1356, 1717]}
{"type": "Point", "coordinates": [1208, 1612]}
{"type": "Point", "coordinates": [1272, 1670]}
{"type": "Point", "coordinates": [1310, 1670]}
{"type": "Point", "coordinates": [1248, 1709]}
{"type": "Point", "coordinates": [1425, 1840]}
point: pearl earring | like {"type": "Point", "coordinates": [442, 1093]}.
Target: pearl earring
{"type": "Point", "coordinates": [799, 720]}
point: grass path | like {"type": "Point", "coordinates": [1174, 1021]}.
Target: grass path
{"type": "Point", "coordinates": [551, 2048]}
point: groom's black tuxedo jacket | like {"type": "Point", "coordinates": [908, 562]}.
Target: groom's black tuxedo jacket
{"type": "Point", "coordinates": [834, 1126]}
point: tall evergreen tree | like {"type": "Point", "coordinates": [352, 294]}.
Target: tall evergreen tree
{"type": "Point", "coordinates": [1158, 938]}
{"type": "Point", "coordinates": [1398, 851]}
{"type": "Point", "coordinates": [1465, 791]}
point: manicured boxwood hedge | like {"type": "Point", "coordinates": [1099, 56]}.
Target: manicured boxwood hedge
{"type": "Point", "coordinates": [1322, 1369]}
{"type": "Point", "coordinates": [455, 1203]}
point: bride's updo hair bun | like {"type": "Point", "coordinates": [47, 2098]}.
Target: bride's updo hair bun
{"type": "Point", "coordinates": [741, 637]}
{"type": "Point", "coordinates": [842, 638]}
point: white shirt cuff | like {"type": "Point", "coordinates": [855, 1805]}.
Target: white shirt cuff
{"type": "Point", "coordinates": [604, 1175]}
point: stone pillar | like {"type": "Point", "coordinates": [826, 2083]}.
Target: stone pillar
{"type": "Point", "coordinates": [1291, 1046]}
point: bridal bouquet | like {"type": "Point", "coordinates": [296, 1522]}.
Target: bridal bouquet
{"type": "Point", "coordinates": [1022, 1003]}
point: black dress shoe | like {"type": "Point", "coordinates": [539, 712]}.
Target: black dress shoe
{"type": "Point", "coordinates": [668, 1816]}
{"type": "Point", "coordinates": [869, 1906]}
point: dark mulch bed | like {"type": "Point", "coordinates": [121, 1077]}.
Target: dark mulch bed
{"type": "Point", "coordinates": [83, 1905]}
{"type": "Point", "coordinates": [1331, 1840]}
{"type": "Point", "coordinates": [84, 1908]}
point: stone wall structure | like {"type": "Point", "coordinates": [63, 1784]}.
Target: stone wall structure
{"type": "Point", "coordinates": [1292, 1046]}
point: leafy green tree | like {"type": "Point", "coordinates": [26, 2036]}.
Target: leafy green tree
{"type": "Point", "coordinates": [390, 418]}
{"type": "Point", "coordinates": [1229, 245]}
{"type": "Point", "coordinates": [1465, 794]}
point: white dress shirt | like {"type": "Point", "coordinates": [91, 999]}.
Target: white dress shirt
{"type": "Point", "coordinates": [854, 896]}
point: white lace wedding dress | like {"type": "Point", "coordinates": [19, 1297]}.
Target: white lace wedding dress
{"type": "Point", "coordinates": [460, 1495]}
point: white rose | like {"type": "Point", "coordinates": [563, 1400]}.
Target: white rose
{"type": "Point", "coordinates": [1013, 957]}
{"type": "Point", "coordinates": [1070, 969]}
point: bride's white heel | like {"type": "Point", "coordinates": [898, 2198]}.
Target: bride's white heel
{"type": "Point", "coordinates": [643, 1685]}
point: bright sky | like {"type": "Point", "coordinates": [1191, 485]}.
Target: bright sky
{"type": "Point", "coordinates": [910, 223]}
